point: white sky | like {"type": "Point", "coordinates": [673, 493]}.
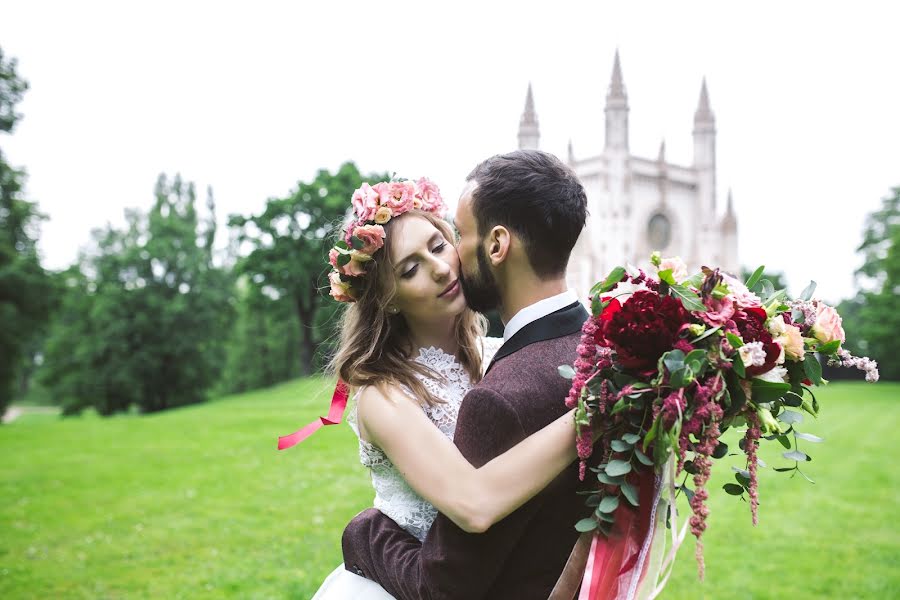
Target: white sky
{"type": "Point", "coordinates": [252, 97]}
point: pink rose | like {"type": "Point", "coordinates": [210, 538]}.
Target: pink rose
{"type": "Point", "coordinates": [719, 311]}
{"type": "Point", "coordinates": [743, 297]}
{"type": "Point", "coordinates": [430, 195]}
{"type": "Point", "coordinates": [398, 196]}
{"type": "Point", "coordinates": [340, 290]}
{"type": "Point", "coordinates": [365, 202]}
{"type": "Point", "coordinates": [792, 342]}
{"type": "Point", "coordinates": [679, 269]}
{"type": "Point", "coordinates": [357, 264]}
{"type": "Point", "coordinates": [827, 327]}
{"type": "Point", "coordinates": [372, 237]}
{"type": "Point", "coordinates": [332, 257]}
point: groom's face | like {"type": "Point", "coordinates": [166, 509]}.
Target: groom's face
{"type": "Point", "coordinates": [475, 274]}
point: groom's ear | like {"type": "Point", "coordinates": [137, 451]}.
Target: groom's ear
{"type": "Point", "coordinates": [498, 243]}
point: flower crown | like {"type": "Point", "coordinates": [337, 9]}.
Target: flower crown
{"type": "Point", "coordinates": [373, 206]}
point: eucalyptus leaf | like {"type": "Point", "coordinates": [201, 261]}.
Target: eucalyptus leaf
{"type": "Point", "coordinates": [631, 438]}
{"type": "Point", "coordinates": [620, 446]}
{"type": "Point", "coordinates": [797, 315]}
{"type": "Point", "coordinates": [690, 467]}
{"type": "Point", "coordinates": [643, 458]}
{"type": "Point", "coordinates": [687, 492]}
{"type": "Point", "coordinates": [608, 480]}
{"type": "Point", "coordinates": [608, 504]}
{"type": "Point", "coordinates": [790, 417]}
{"type": "Point", "coordinates": [784, 441]}
{"type": "Point", "coordinates": [733, 489]}
{"type": "Point", "coordinates": [808, 437]}
{"type": "Point", "coordinates": [566, 371]}
{"type": "Point", "coordinates": [720, 451]}
{"type": "Point", "coordinates": [795, 455]}
{"type": "Point", "coordinates": [673, 360]}
{"type": "Point", "coordinates": [618, 467]}
{"type": "Point", "coordinates": [630, 493]}
{"type": "Point", "coordinates": [585, 525]}
{"type": "Point", "coordinates": [807, 293]}
{"type": "Point", "coordinates": [593, 501]}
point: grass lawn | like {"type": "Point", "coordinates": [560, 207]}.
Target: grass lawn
{"type": "Point", "coordinates": [197, 503]}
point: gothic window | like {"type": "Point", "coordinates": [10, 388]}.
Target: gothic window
{"type": "Point", "coordinates": [659, 232]}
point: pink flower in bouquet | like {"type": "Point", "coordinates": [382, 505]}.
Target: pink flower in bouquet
{"type": "Point", "coordinates": [828, 325]}
{"type": "Point", "coordinates": [340, 290]}
{"type": "Point", "coordinates": [332, 257]}
{"type": "Point", "coordinates": [365, 202]}
{"type": "Point", "coordinates": [742, 296]}
{"type": "Point", "coordinates": [792, 341]}
{"type": "Point", "coordinates": [643, 329]}
{"type": "Point", "coordinates": [719, 311]}
{"type": "Point", "coordinates": [372, 237]}
{"type": "Point", "coordinates": [751, 323]}
{"type": "Point", "coordinates": [679, 269]}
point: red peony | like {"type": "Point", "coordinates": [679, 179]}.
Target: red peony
{"type": "Point", "coordinates": [751, 322]}
{"type": "Point", "coordinates": [644, 328]}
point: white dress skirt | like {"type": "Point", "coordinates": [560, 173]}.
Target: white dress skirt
{"type": "Point", "coordinates": [341, 584]}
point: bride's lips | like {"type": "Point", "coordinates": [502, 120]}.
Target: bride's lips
{"type": "Point", "coordinates": [450, 290]}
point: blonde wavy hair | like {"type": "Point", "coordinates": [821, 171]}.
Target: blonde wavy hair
{"type": "Point", "coordinates": [375, 346]}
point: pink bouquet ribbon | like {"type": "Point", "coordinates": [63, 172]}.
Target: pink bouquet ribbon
{"type": "Point", "coordinates": [335, 412]}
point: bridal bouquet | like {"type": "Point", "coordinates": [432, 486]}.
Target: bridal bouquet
{"type": "Point", "coordinates": [668, 363]}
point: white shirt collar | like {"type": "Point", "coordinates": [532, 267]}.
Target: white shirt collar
{"type": "Point", "coordinates": [535, 311]}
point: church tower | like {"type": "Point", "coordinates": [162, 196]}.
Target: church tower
{"type": "Point", "coordinates": [705, 165]}
{"type": "Point", "coordinates": [617, 111]}
{"type": "Point", "coordinates": [529, 133]}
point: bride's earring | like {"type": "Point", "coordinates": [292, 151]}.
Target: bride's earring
{"type": "Point", "coordinates": [392, 310]}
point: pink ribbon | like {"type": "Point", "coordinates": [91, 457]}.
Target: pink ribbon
{"type": "Point", "coordinates": [335, 412]}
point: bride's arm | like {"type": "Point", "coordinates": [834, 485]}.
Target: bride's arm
{"type": "Point", "coordinates": [433, 466]}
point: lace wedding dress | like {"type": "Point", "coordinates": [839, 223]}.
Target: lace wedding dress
{"type": "Point", "coordinates": [393, 496]}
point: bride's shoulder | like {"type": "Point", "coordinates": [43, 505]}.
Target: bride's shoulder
{"type": "Point", "coordinates": [489, 347]}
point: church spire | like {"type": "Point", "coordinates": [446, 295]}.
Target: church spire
{"type": "Point", "coordinates": [662, 152]}
{"type": "Point", "coordinates": [617, 109]}
{"type": "Point", "coordinates": [729, 221]}
{"type": "Point", "coordinates": [571, 154]}
{"type": "Point", "coordinates": [529, 133]}
{"type": "Point", "coordinates": [703, 114]}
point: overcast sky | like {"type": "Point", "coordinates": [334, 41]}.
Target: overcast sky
{"type": "Point", "coordinates": [252, 97]}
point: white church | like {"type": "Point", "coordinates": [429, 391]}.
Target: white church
{"type": "Point", "coordinates": [638, 205]}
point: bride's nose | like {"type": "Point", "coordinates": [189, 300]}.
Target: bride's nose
{"type": "Point", "coordinates": [440, 270]}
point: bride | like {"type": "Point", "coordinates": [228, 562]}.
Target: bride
{"type": "Point", "coordinates": [410, 349]}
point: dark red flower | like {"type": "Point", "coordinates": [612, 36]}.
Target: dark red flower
{"type": "Point", "coordinates": [751, 322]}
{"type": "Point", "coordinates": [645, 327]}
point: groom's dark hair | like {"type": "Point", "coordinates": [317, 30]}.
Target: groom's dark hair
{"type": "Point", "coordinates": [537, 197]}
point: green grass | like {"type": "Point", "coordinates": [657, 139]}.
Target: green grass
{"type": "Point", "coordinates": [197, 503]}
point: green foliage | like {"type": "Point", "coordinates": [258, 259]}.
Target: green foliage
{"type": "Point", "coordinates": [776, 278]}
{"type": "Point", "coordinates": [144, 317]}
{"type": "Point", "coordinates": [25, 288]}
{"type": "Point", "coordinates": [288, 262]}
{"type": "Point", "coordinates": [872, 318]}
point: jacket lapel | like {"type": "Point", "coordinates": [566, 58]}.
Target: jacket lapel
{"type": "Point", "coordinates": [565, 321]}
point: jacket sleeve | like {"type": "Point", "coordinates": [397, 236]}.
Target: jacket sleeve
{"type": "Point", "coordinates": [450, 564]}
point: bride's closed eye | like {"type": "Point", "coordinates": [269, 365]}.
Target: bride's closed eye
{"type": "Point", "coordinates": [439, 249]}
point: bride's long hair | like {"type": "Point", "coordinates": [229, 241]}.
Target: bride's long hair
{"type": "Point", "coordinates": [375, 346]}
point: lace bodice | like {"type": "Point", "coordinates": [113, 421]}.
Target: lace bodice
{"type": "Point", "coordinates": [393, 496]}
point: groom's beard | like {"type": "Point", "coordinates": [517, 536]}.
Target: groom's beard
{"type": "Point", "coordinates": [480, 290]}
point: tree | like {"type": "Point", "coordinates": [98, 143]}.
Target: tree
{"type": "Point", "coordinates": [872, 318]}
{"type": "Point", "coordinates": [25, 288]}
{"type": "Point", "coordinates": [290, 242]}
{"type": "Point", "coordinates": [145, 316]}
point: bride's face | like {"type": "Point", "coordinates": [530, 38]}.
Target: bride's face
{"type": "Point", "coordinates": [426, 272]}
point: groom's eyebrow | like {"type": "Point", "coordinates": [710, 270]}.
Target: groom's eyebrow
{"type": "Point", "coordinates": [437, 235]}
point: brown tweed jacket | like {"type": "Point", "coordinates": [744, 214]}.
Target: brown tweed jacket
{"type": "Point", "coordinates": [522, 556]}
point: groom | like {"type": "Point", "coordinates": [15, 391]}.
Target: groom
{"type": "Point", "coordinates": [518, 219]}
